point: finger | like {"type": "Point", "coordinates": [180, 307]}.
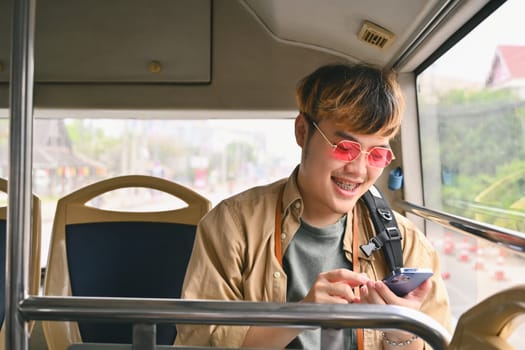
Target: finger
{"type": "Point", "coordinates": [344, 291]}
{"type": "Point", "coordinates": [336, 286]}
{"type": "Point", "coordinates": [391, 298]}
{"type": "Point", "coordinates": [324, 291]}
{"type": "Point", "coordinates": [352, 278]}
{"type": "Point", "coordinates": [386, 295]}
{"type": "Point", "coordinates": [373, 296]}
{"type": "Point", "coordinates": [363, 290]}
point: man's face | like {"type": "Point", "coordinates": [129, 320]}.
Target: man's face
{"type": "Point", "coordinates": [331, 187]}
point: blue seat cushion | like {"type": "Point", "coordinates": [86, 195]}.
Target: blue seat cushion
{"type": "Point", "coordinates": [127, 259]}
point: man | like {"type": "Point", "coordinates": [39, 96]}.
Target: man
{"type": "Point", "coordinates": [347, 116]}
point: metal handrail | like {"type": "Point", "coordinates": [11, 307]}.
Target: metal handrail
{"type": "Point", "coordinates": [20, 170]}
{"type": "Point", "coordinates": [152, 311]}
{"type": "Point", "coordinates": [510, 239]}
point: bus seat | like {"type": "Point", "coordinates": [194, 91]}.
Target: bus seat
{"type": "Point", "coordinates": [34, 269]}
{"type": "Point", "coordinates": [91, 346]}
{"type": "Point", "coordinates": [98, 252]}
{"type": "Point", "coordinates": [488, 324]}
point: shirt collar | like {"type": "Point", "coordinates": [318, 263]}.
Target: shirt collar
{"type": "Point", "coordinates": [291, 196]}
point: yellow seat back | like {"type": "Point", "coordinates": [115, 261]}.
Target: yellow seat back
{"type": "Point", "coordinates": [488, 324]}
{"type": "Point", "coordinates": [35, 243]}
{"type": "Point", "coordinates": [113, 245]}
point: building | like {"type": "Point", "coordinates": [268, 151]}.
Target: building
{"type": "Point", "coordinates": [508, 68]}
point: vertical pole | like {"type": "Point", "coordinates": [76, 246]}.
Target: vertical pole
{"type": "Point", "coordinates": [20, 169]}
{"type": "Point", "coordinates": [332, 339]}
{"type": "Point", "coordinates": [144, 336]}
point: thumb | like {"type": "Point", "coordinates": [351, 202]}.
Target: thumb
{"type": "Point", "coordinates": [421, 292]}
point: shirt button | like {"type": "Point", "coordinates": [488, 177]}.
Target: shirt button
{"type": "Point", "coordinates": [277, 274]}
{"type": "Point", "coordinates": [283, 236]}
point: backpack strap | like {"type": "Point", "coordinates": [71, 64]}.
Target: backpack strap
{"type": "Point", "coordinates": [387, 235]}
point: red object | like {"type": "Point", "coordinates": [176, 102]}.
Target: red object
{"type": "Point", "coordinates": [464, 255]}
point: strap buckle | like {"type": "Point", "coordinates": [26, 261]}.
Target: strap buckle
{"type": "Point", "coordinates": [385, 214]}
{"type": "Point", "coordinates": [393, 233]}
{"type": "Point", "coordinates": [372, 245]}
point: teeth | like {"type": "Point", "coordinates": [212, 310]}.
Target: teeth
{"type": "Point", "coordinates": [345, 186]}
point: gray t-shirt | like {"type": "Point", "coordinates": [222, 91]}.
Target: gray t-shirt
{"type": "Point", "coordinates": [314, 250]}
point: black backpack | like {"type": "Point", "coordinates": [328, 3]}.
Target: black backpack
{"type": "Point", "coordinates": [387, 235]}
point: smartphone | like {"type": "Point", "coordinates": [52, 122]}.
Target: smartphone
{"type": "Point", "coordinates": [404, 280]}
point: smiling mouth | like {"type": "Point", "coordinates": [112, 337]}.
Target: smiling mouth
{"type": "Point", "coordinates": [347, 186]}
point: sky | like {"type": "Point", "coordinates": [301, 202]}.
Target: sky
{"type": "Point", "coordinates": [471, 58]}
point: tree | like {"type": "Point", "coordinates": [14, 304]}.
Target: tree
{"type": "Point", "coordinates": [481, 140]}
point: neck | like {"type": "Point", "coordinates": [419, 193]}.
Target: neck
{"type": "Point", "coordinates": [320, 220]}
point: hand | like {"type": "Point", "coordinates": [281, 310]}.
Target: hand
{"type": "Point", "coordinates": [336, 287]}
{"type": "Point", "coordinates": [376, 292]}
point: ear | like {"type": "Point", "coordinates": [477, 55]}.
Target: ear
{"type": "Point", "coordinates": [301, 130]}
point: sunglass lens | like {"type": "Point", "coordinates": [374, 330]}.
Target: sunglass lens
{"type": "Point", "coordinates": [347, 150]}
{"type": "Point", "coordinates": [380, 157]}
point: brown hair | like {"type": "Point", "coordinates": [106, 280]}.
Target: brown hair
{"type": "Point", "coordinates": [361, 98]}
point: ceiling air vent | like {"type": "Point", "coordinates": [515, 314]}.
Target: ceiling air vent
{"type": "Point", "coordinates": [375, 35]}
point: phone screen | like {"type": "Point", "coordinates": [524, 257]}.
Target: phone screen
{"type": "Point", "coordinates": [404, 280]}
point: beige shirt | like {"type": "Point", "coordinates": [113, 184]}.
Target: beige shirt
{"type": "Point", "coordinates": [234, 253]}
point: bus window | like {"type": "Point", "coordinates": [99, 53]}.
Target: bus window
{"type": "Point", "coordinates": [215, 157]}
{"type": "Point", "coordinates": [472, 125]}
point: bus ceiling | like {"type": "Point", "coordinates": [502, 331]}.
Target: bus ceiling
{"type": "Point", "coordinates": [215, 54]}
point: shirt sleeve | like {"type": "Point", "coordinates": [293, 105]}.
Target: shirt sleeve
{"type": "Point", "coordinates": [216, 259]}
